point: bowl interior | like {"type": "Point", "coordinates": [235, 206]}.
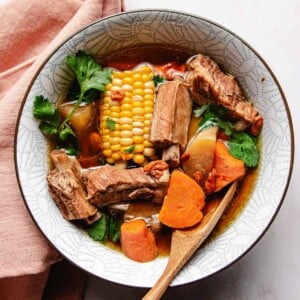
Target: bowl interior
{"type": "Point", "coordinates": [196, 35]}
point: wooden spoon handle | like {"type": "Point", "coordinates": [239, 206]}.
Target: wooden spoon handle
{"type": "Point", "coordinates": [162, 284]}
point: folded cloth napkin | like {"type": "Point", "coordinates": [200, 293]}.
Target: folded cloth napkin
{"type": "Point", "coordinates": [29, 31]}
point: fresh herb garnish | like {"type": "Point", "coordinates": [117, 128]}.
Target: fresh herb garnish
{"type": "Point", "coordinates": [243, 147]}
{"type": "Point", "coordinates": [114, 231]}
{"type": "Point", "coordinates": [198, 112]}
{"type": "Point", "coordinates": [106, 227]}
{"type": "Point", "coordinates": [49, 116]}
{"type": "Point", "coordinates": [129, 149]}
{"type": "Point", "coordinates": [157, 79]}
{"type": "Point", "coordinates": [110, 123]}
{"type": "Point", "coordinates": [99, 230]}
{"type": "Point", "coordinates": [211, 117]}
{"type": "Point", "coordinates": [89, 75]}
{"type": "Point", "coordinates": [241, 144]}
{"type": "Point", "coordinates": [45, 111]}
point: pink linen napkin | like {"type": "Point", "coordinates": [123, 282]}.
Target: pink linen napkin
{"type": "Point", "coordinates": [29, 31]}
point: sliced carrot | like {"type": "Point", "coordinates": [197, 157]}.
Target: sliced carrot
{"type": "Point", "coordinates": [184, 201]}
{"type": "Point", "coordinates": [137, 241]}
{"type": "Point", "coordinates": [228, 168]}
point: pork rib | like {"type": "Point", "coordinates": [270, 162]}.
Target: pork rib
{"type": "Point", "coordinates": [209, 83]}
{"type": "Point", "coordinates": [67, 190]}
{"type": "Point", "coordinates": [107, 185]}
{"type": "Point", "coordinates": [170, 121]}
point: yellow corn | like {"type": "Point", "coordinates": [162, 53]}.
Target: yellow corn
{"type": "Point", "coordinates": [131, 116]}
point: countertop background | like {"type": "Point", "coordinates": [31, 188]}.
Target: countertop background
{"type": "Point", "coordinates": [271, 270]}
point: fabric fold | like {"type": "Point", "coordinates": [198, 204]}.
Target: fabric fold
{"type": "Point", "coordinates": [30, 31]}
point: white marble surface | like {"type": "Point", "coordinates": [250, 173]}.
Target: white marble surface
{"type": "Point", "coordinates": [271, 270]}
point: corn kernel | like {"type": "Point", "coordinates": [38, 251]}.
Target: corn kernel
{"type": "Point", "coordinates": [126, 141]}
{"type": "Point", "coordinates": [138, 139]}
{"type": "Point", "coordinates": [106, 131]}
{"type": "Point", "coordinates": [126, 114]}
{"type": "Point", "coordinates": [116, 156]}
{"type": "Point", "coordinates": [115, 147]}
{"type": "Point", "coordinates": [137, 118]}
{"type": "Point", "coordinates": [138, 124]}
{"type": "Point", "coordinates": [115, 109]}
{"type": "Point", "coordinates": [147, 144]}
{"type": "Point", "coordinates": [146, 130]}
{"type": "Point", "coordinates": [126, 134]}
{"type": "Point", "coordinates": [147, 123]}
{"type": "Point", "coordinates": [128, 73]}
{"type": "Point", "coordinates": [137, 111]}
{"type": "Point", "coordinates": [125, 120]}
{"type": "Point", "coordinates": [148, 91]}
{"type": "Point", "coordinates": [148, 103]}
{"type": "Point", "coordinates": [148, 97]}
{"type": "Point", "coordinates": [148, 116]}
{"type": "Point", "coordinates": [114, 140]}
{"type": "Point", "coordinates": [126, 106]}
{"type": "Point", "coordinates": [110, 160]}
{"type": "Point", "coordinates": [114, 115]}
{"type": "Point", "coordinates": [148, 109]}
{"type": "Point", "coordinates": [125, 127]}
{"type": "Point", "coordinates": [139, 148]}
{"type": "Point", "coordinates": [117, 74]}
{"type": "Point", "coordinates": [127, 87]}
{"type": "Point", "coordinates": [117, 81]}
{"type": "Point", "coordinates": [136, 77]}
{"type": "Point", "coordinates": [138, 158]}
{"type": "Point", "coordinates": [137, 104]}
{"type": "Point", "coordinates": [115, 133]}
{"type": "Point", "coordinates": [146, 77]}
{"type": "Point", "coordinates": [139, 92]}
{"type": "Point", "coordinates": [107, 153]}
{"type": "Point", "coordinates": [106, 145]}
{"type": "Point", "coordinates": [149, 152]}
{"type": "Point", "coordinates": [137, 98]}
{"type": "Point", "coordinates": [137, 131]}
{"type": "Point", "coordinates": [127, 80]}
{"type": "Point", "coordinates": [138, 85]}
{"type": "Point", "coordinates": [149, 85]}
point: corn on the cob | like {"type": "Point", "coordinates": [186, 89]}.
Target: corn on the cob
{"type": "Point", "coordinates": [128, 103]}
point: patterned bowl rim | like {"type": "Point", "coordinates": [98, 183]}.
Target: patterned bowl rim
{"type": "Point", "coordinates": [285, 102]}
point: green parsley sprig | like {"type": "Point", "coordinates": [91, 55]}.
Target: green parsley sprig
{"type": "Point", "coordinates": [241, 144]}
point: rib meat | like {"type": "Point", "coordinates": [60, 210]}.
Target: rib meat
{"type": "Point", "coordinates": [67, 190]}
{"type": "Point", "coordinates": [107, 185]}
{"type": "Point", "coordinates": [170, 121]}
{"type": "Point", "coordinates": [209, 83]}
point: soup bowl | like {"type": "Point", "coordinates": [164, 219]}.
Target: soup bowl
{"type": "Point", "coordinates": [196, 35]}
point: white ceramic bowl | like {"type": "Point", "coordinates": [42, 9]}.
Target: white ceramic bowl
{"type": "Point", "coordinates": [199, 36]}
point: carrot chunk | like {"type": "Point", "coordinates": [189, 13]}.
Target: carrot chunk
{"type": "Point", "coordinates": [137, 241]}
{"type": "Point", "coordinates": [183, 203]}
{"type": "Point", "coordinates": [228, 168]}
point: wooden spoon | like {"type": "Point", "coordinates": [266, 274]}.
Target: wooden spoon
{"type": "Point", "coordinates": [184, 243]}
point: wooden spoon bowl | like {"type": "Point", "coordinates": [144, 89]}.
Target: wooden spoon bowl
{"type": "Point", "coordinates": [185, 242]}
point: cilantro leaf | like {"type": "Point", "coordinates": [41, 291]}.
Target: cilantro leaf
{"type": "Point", "coordinates": [129, 149]}
{"type": "Point", "coordinates": [114, 229]}
{"type": "Point", "coordinates": [89, 75]}
{"type": "Point", "coordinates": [74, 93]}
{"type": "Point", "coordinates": [157, 79]}
{"type": "Point", "coordinates": [49, 116]}
{"type": "Point", "coordinates": [88, 72]}
{"type": "Point", "coordinates": [243, 147]}
{"type": "Point", "coordinates": [211, 118]}
{"type": "Point", "coordinates": [66, 133]}
{"type": "Point", "coordinates": [106, 227]}
{"type": "Point", "coordinates": [99, 230]}
{"type": "Point", "coordinates": [110, 124]}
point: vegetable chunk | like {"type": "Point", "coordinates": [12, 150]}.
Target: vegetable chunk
{"type": "Point", "coordinates": [137, 241]}
{"type": "Point", "coordinates": [184, 201]}
{"type": "Point", "coordinates": [227, 167]}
